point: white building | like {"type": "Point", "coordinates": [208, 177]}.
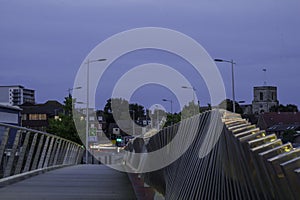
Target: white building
{"type": "Point", "coordinates": [16, 95]}
{"type": "Point", "coordinates": [10, 114]}
{"type": "Point", "coordinates": [264, 98]}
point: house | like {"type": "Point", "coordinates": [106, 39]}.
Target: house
{"type": "Point", "coordinates": [268, 119]}
{"type": "Point", "coordinates": [36, 116]}
{"type": "Point", "coordinates": [10, 114]}
{"type": "Point", "coordinates": [279, 129]}
{"type": "Point", "coordinates": [280, 122]}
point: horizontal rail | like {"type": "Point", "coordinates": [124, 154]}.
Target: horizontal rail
{"type": "Point", "coordinates": [245, 162]}
{"type": "Point", "coordinates": [24, 150]}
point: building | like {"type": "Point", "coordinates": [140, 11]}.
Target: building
{"type": "Point", "coordinates": [36, 116]}
{"type": "Point", "coordinates": [267, 120]}
{"type": "Point", "coordinates": [10, 115]}
{"type": "Point", "coordinates": [264, 98]}
{"type": "Point", "coordinates": [15, 95]}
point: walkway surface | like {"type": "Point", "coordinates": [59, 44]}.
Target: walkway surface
{"type": "Point", "coordinates": [76, 182]}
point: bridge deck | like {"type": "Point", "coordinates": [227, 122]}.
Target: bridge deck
{"type": "Point", "coordinates": [76, 182]}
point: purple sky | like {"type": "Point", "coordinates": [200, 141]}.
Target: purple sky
{"type": "Point", "coordinates": [43, 43]}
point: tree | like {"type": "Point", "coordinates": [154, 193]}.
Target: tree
{"type": "Point", "coordinates": [228, 105]}
{"type": "Point", "coordinates": [190, 110]}
{"type": "Point", "coordinates": [121, 107]}
{"type": "Point", "coordinates": [64, 126]}
{"type": "Point", "coordinates": [172, 119]}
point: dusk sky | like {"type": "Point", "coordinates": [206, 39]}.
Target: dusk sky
{"type": "Point", "coordinates": [43, 43]}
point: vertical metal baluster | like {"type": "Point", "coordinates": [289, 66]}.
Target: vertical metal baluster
{"type": "Point", "coordinates": [37, 153]}
{"type": "Point", "coordinates": [3, 143]}
{"type": "Point", "coordinates": [22, 153]}
{"type": "Point", "coordinates": [66, 155]}
{"type": "Point", "coordinates": [48, 153]}
{"type": "Point", "coordinates": [11, 159]}
{"type": "Point", "coordinates": [58, 150]}
{"type": "Point", "coordinates": [43, 155]}
{"type": "Point", "coordinates": [30, 153]}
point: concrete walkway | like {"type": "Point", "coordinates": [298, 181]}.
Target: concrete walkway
{"type": "Point", "coordinates": [76, 182]}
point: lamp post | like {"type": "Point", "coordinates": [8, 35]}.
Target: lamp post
{"type": "Point", "coordinates": [87, 104]}
{"type": "Point", "coordinates": [71, 89]}
{"type": "Point", "coordinates": [169, 100]}
{"type": "Point", "coordinates": [133, 123]}
{"type": "Point", "coordinates": [232, 79]}
{"type": "Point", "coordinates": [157, 117]}
{"type": "Point", "coordinates": [192, 88]}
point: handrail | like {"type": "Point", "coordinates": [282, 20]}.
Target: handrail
{"type": "Point", "coordinates": [33, 130]}
{"type": "Point", "coordinates": [245, 163]}
{"type": "Point", "coordinates": [24, 150]}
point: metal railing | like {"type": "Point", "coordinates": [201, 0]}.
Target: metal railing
{"type": "Point", "coordinates": [245, 162]}
{"type": "Point", "coordinates": [23, 150]}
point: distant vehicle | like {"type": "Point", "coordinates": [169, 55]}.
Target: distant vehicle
{"type": "Point", "coordinates": [127, 138]}
{"type": "Point", "coordinates": [122, 141]}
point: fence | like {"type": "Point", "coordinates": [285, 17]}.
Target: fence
{"type": "Point", "coordinates": [25, 150]}
{"type": "Point", "coordinates": [244, 163]}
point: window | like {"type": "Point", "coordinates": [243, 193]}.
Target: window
{"type": "Point", "coordinates": [24, 116]}
{"type": "Point", "coordinates": [37, 117]}
{"type": "Point", "coordinates": [273, 95]}
{"type": "Point", "coordinates": [261, 96]}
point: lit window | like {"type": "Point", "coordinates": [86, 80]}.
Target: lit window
{"type": "Point", "coordinates": [37, 117]}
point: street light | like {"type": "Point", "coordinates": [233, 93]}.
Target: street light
{"type": "Point", "coordinates": [192, 88]}
{"type": "Point", "coordinates": [87, 104]}
{"type": "Point", "coordinates": [133, 123]}
{"type": "Point", "coordinates": [75, 88]}
{"type": "Point", "coordinates": [232, 79]}
{"type": "Point", "coordinates": [169, 100]}
{"type": "Point", "coordinates": [157, 116]}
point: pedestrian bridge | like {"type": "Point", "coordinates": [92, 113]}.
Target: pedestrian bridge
{"type": "Point", "coordinates": [73, 182]}
{"type": "Point", "coordinates": [226, 158]}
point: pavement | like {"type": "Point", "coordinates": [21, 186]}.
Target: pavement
{"type": "Point", "coordinates": [76, 182]}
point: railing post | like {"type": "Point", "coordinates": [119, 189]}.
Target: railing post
{"type": "Point", "coordinates": [58, 150]}
{"type": "Point", "coordinates": [43, 155]}
{"type": "Point", "coordinates": [3, 143]}
{"type": "Point", "coordinates": [30, 154]}
{"type": "Point", "coordinates": [46, 163]}
{"type": "Point", "coordinates": [66, 154]}
{"type": "Point", "coordinates": [22, 153]}
{"type": "Point", "coordinates": [37, 153]}
{"type": "Point", "coordinates": [10, 162]}
{"type": "Point", "coordinates": [63, 152]}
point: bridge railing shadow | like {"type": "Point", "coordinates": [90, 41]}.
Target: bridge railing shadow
{"type": "Point", "coordinates": [23, 151]}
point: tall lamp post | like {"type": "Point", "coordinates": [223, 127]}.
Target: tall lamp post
{"type": "Point", "coordinates": [192, 88]}
{"type": "Point", "coordinates": [133, 122]}
{"type": "Point", "coordinates": [232, 79]}
{"type": "Point", "coordinates": [71, 89]}
{"type": "Point", "coordinates": [169, 100]}
{"type": "Point", "coordinates": [87, 104]}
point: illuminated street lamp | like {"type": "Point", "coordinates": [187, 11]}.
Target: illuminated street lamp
{"type": "Point", "coordinates": [71, 89]}
{"type": "Point", "coordinates": [192, 88]}
{"type": "Point", "coordinates": [232, 79]}
{"type": "Point", "coordinates": [87, 104]}
{"type": "Point", "coordinates": [169, 100]}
